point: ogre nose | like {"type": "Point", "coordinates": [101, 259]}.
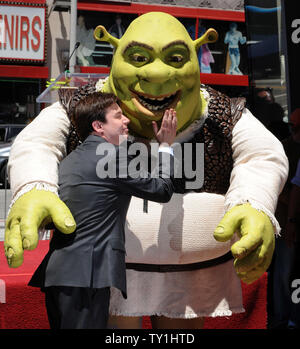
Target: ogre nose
{"type": "Point", "coordinates": [156, 72]}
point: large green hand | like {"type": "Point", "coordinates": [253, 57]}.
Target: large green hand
{"type": "Point", "coordinates": [253, 252]}
{"type": "Point", "coordinates": [26, 216]}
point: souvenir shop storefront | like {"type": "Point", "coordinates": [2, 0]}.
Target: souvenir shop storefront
{"type": "Point", "coordinates": [196, 16]}
{"type": "Point", "coordinates": [257, 31]}
{"type": "Point", "coordinates": [23, 69]}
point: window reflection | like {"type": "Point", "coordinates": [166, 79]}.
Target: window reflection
{"type": "Point", "coordinates": [266, 49]}
{"type": "Point", "coordinates": [98, 53]}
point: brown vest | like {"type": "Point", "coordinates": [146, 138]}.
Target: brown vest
{"type": "Point", "coordinates": [216, 134]}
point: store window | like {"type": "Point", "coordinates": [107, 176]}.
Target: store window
{"type": "Point", "coordinates": [264, 39]}
{"type": "Point", "coordinates": [222, 57]}
{"type": "Point", "coordinates": [17, 100]}
{"type": "Point", "coordinates": [96, 53]}
{"type": "Point", "coordinates": [268, 95]}
{"type": "Point", "coordinates": [213, 58]}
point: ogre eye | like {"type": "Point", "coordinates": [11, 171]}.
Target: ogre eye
{"type": "Point", "coordinates": [139, 59]}
{"type": "Point", "coordinates": [176, 59]}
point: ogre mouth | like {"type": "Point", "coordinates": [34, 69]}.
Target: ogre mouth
{"type": "Point", "coordinates": [157, 103]}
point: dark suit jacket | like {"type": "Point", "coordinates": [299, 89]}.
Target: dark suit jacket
{"type": "Point", "coordinates": [94, 255]}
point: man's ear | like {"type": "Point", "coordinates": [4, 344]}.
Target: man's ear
{"type": "Point", "coordinates": [97, 126]}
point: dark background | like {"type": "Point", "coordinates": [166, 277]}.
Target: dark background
{"type": "Point", "coordinates": [291, 12]}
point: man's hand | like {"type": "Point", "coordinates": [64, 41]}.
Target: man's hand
{"type": "Point", "coordinates": [253, 252]}
{"type": "Point", "coordinates": [26, 216]}
{"type": "Point", "coordinates": [167, 132]}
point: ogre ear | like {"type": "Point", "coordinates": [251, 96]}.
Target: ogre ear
{"type": "Point", "coordinates": [209, 36]}
{"type": "Point", "coordinates": [101, 34]}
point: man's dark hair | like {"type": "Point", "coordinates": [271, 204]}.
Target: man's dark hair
{"type": "Point", "coordinates": [91, 108]}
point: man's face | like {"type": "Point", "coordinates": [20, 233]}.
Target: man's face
{"type": "Point", "coordinates": [265, 96]}
{"type": "Point", "coordinates": [115, 125]}
{"type": "Point", "coordinates": [80, 21]}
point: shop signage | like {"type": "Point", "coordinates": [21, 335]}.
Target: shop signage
{"type": "Point", "coordinates": [22, 32]}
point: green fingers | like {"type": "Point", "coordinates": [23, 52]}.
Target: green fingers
{"type": "Point", "coordinates": [26, 217]}
{"type": "Point", "coordinates": [62, 217]}
{"type": "Point", "coordinates": [254, 250]}
{"type": "Point", "coordinates": [13, 245]}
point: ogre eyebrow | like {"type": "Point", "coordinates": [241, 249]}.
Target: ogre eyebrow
{"type": "Point", "coordinates": [136, 43]}
{"type": "Point", "coordinates": [176, 42]}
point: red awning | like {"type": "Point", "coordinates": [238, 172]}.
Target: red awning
{"type": "Point", "coordinates": [24, 71]}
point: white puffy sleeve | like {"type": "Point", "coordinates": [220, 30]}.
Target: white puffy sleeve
{"type": "Point", "coordinates": [260, 167]}
{"type": "Point", "coordinates": [37, 151]}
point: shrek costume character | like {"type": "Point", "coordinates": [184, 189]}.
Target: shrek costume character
{"type": "Point", "coordinates": [178, 262]}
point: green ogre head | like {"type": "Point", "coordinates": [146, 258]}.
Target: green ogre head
{"type": "Point", "coordinates": [155, 67]}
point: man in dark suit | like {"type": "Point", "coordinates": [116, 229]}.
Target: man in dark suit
{"type": "Point", "coordinates": [79, 269]}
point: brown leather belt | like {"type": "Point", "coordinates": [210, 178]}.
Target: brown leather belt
{"type": "Point", "coordinates": [166, 268]}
